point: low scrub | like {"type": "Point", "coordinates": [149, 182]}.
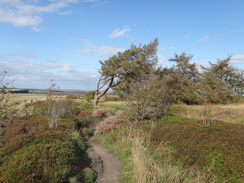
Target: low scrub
{"type": "Point", "coordinates": [158, 151]}
{"type": "Point", "coordinates": [32, 152]}
{"type": "Point", "coordinates": [142, 161]}
{"type": "Point", "coordinates": [217, 149]}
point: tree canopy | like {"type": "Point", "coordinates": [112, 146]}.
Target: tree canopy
{"type": "Point", "coordinates": [126, 65]}
{"type": "Point", "coordinates": [187, 82]}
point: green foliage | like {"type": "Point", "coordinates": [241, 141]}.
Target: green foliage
{"type": "Point", "coordinates": [214, 160]}
{"type": "Point", "coordinates": [144, 161]}
{"type": "Point", "coordinates": [221, 82]}
{"type": "Point", "coordinates": [32, 152]}
{"type": "Point", "coordinates": [86, 106]}
{"type": "Point", "coordinates": [89, 175]}
{"type": "Point", "coordinates": [147, 99]}
{"type": "Point", "coordinates": [126, 66]}
{"type": "Point", "coordinates": [183, 78]}
{"type": "Point", "coordinates": [36, 108]}
{"type": "Point", "coordinates": [44, 160]}
{"type": "Point", "coordinates": [215, 150]}
{"type": "Point", "coordinates": [89, 96]}
{"type": "Point", "coordinates": [87, 132]}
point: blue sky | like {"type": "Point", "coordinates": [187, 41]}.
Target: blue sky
{"type": "Point", "coordinates": [64, 40]}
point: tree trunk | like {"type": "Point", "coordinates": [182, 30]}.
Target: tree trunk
{"type": "Point", "coordinates": [96, 99]}
{"type": "Point", "coordinates": [98, 96]}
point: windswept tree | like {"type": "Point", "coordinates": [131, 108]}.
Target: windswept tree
{"type": "Point", "coordinates": [126, 66]}
{"type": "Point", "coordinates": [221, 82]}
{"type": "Point", "coordinates": [183, 78]}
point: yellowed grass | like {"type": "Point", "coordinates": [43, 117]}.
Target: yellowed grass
{"type": "Point", "coordinates": [146, 168]}
{"type": "Point", "coordinates": [231, 113]}
{"type": "Point", "coordinates": [27, 97]}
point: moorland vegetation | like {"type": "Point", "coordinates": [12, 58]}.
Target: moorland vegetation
{"type": "Point", "coordinates": [177, 124]}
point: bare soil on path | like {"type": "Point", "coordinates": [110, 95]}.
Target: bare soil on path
{"type": "Point", "coordinates": [104, 163]}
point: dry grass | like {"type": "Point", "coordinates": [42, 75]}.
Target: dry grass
{"type": "Point", "coordinates": [147, 163]}
{"type": "Point", "coordinates": [231, 113]}
{"type": "Point", "coordinates": [148, 168]}
{"type": "Point", "coordinates": [27, 97]}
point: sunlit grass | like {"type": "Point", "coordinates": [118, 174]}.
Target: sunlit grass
{"type": "Point", "coordinates": [231, 113]}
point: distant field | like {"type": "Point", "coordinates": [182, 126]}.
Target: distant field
{"type": "Point", "coordinates": [28, 97]}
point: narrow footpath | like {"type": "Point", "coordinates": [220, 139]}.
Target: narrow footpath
{"type": "Point", "coordinates": [104, 163]}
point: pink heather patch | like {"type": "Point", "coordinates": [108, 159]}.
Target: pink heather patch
{"type": "Point", "coordinates": [108, 125]}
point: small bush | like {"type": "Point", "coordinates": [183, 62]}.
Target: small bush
{"type": "Point", "coordinates": [36, 108]}
{"type": "Point", "coordinates": [88, 175]}
{"type": "Point", "coordinates": [147, 99]}
{"type": "Point", "coordinates": [89, 96]}
{"type": "Point", "coordinates": [87, 106]}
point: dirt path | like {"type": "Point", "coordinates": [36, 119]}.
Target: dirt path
{"type": "Point", "coordinates": [104, 163]}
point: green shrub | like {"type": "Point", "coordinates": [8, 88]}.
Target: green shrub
{"type": "Point", "coordinates": [36, 108]}
{"type": "Point", "coordinates": [32, 152]}
{"type": "Point", "coordinates": [43, 160]}
{"type": "Point", "coordinates": [87, 106]}
{"type": "Point", "coordinates": [88, 175]}
{"type": "Point", "coordinates": [214, 160]}
{"type": "Point", "coordinates": [89, 96]}
{"type": "Point", "coordinates": [87, 132]}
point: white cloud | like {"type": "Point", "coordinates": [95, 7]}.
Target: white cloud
{"type": "Point", "coordinates": [28, 12]}
{"type": "Point", "coordinates": [89, 1]}
{"type": "Point", "coordinates": [99, 51]}
{"type": "Point", "coordinates": [237, 59]}
{"type": "Point", "coordinates": [103, 51]}
{"type": "Point", "coordinates": [85, 50]}
{"type": "Point", "coordinates": [26, 74]}
{"type": "Point", "coordinates": [167, 48]}
{"type": "Point", "coordinates": [36, 29]}
{"type": "Point", "coordinates": [99, 3]}
{"type": "Point", "coordinates": [187, 37]}
{"type": "Point", "coordinates": [119, 32]}
{"type": "Point", "coordinates": [204, 38]}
